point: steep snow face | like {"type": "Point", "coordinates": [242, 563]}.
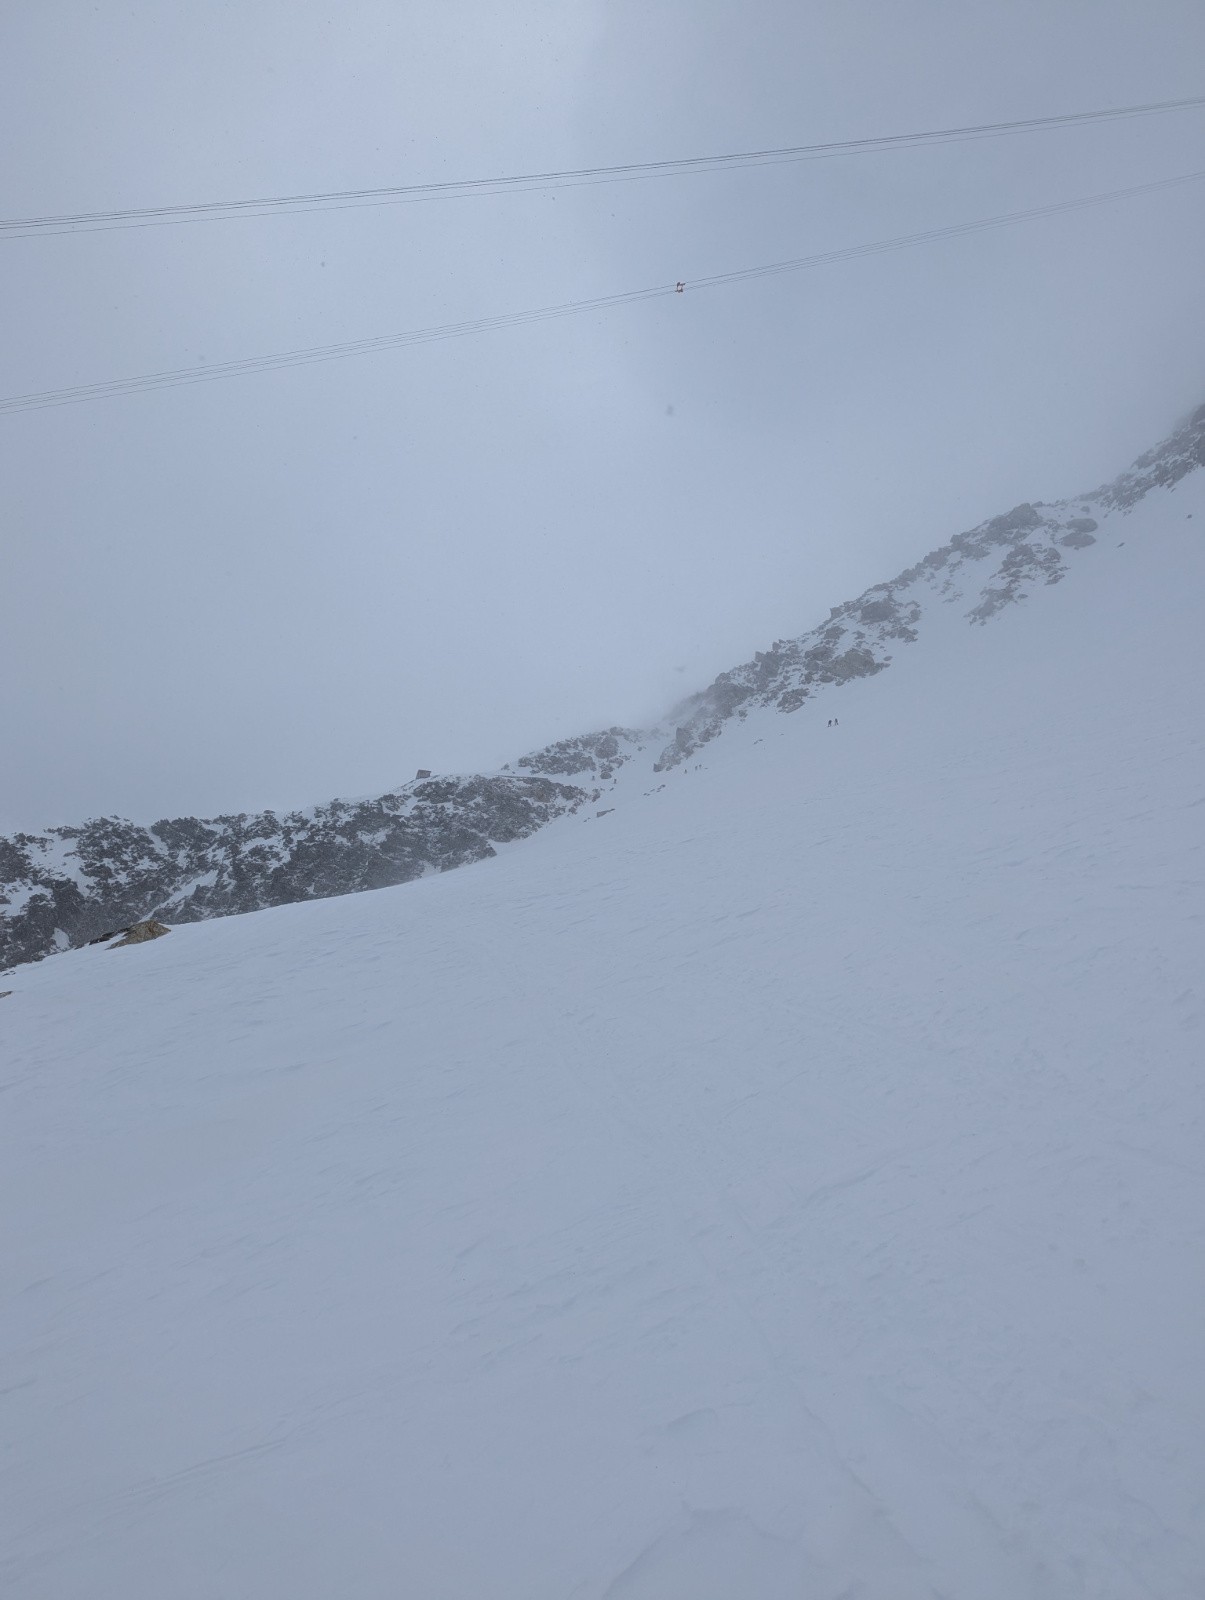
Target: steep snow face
{"type": "Point", "coordinates": [992, 566]}
{"type": "Point", "coordinates": [72, 884]}
{"type": "Point", "coordinates": [788, 1183]}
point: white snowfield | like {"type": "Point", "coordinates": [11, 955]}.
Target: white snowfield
{"type": "Point", "coordinates": [789, 1184]}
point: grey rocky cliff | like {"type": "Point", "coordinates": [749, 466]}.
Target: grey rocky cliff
{"type": "Point", "coordinates": [63, 887]}
{"type": "Point", "coordinates": [598, 755]}
{"type": "Point", "coordinates": [69, 885]}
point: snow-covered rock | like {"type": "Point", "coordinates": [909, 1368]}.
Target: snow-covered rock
{"type": "Point", "coordinates": [985, 570]}
{"type": "Point", "coordinates": [781, 1179]}
{"type": "Point", "coordinates": [68, 885]}
{"type": "Point", "coordinates": [65, 886]}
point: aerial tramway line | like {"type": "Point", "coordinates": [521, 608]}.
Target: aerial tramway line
{"type": "Point", "coordinates": [96, 221]}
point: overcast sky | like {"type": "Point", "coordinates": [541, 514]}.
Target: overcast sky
{"type": "Point", "coordinates": [276, 589]}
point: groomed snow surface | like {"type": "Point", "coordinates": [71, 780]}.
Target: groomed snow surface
{"type": "Point", "coordinates": [790, 1184]}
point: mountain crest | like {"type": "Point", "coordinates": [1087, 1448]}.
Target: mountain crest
{"type": "Point", "coordinates": [991, 566]}
{"type": "Point", "coordinates": [63, 887]}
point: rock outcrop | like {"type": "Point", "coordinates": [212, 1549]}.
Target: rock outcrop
{"type": "Point", "coordinates": [988, 568]}
{"type": "Point", "coordinates": [140, 933]}
{"type": "Point", "coordinates": [70, 885]}
{"type": "Point", "coordinates": [66, 886]}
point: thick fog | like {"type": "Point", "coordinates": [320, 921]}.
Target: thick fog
{"type": "Point", "coordinates": [278, 588]}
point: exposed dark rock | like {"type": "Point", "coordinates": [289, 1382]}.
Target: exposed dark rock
{"type": "Point", "coordinates": [1025, 563]}
{"type": "Point", "coordinates": [141, 932]}
{"type": "Point", "coordinates": [1080, 533]}
{"type": "Point", "coordinates": [1162, 467]}
{"type": "Point", "coordinates": [69, 885]}
{"type": "Point", "coordinates": [600, 754]}
{"type": "Point", "coordinates": [994, 564]}
{"type": "Point", "coordinates": [72, 885]}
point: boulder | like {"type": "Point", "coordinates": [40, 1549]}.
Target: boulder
{"type": "Point", "coordinates": [140, 932]}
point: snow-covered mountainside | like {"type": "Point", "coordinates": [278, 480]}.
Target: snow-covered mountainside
{"type": "Point", "coordinates": [73, 884]}
{"type": "Point", "coordinates": [991, 567]}
{"type": "Point", "coordinates": [781, 1179]}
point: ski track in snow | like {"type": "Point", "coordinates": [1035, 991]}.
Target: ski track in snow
{"type": "Point", "coordinates": [788, 1184]}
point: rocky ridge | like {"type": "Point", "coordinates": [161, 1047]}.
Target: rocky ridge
{"type": "Point", "coordinates": [992, 566]}
{"type": "Point", "coordinates": [67, 886]}
{"type": "Point", "coordinates": [61, 888]}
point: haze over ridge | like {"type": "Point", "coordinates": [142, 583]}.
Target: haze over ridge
{"type": "Point", "coordinates": [332, 579]}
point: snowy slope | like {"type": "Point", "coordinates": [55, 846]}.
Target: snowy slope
{"type": "Point", "coordinates": [787, 1184]}
{"type": "Point", "coordinates": [71, 885]}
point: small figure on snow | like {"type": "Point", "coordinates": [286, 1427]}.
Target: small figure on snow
{"type": "Point", "coordinates": [679, 287]}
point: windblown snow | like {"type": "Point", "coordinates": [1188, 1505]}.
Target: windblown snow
{"type": "Point", "coordinates": [780, 1178]}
